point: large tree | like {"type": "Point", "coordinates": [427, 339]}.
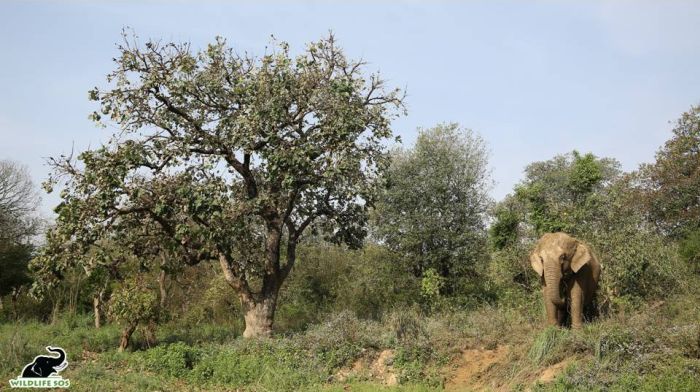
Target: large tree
{"type": "Point", "coordinates": [672, 182]}
{"type": "Point", "coordinates": [227, 157]}
{"type": "Point", "coordinates": [434, 208]}
{"type": "Point", "coordinates": [18, 224]}
{"type": "Point", "coordinates": [18, 203]}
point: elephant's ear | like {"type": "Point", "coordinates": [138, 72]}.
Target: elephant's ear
{"type": "Point", "coordinates": [37, 370]}
{"type": "Point", "coordinates": [536, 263]}
{"type": "Point", "coordinates": [581, 257]}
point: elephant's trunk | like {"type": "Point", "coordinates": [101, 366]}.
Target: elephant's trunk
{"type": "Point", "coordinates": [61, 356]}
{"type": "Point", "coordinates": [552, 280]}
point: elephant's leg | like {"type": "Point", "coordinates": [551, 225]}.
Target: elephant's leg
{"type": "Point", "coordinates": [576, 305]}
{"type": "Point", "coordinates": [551, 308]}
{"type": "Point", "coordinates": [561, 315]}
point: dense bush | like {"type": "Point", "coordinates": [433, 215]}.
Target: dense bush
{"type": "Point", "coordinates": [588, 198]}
{"type": "Point", "coordinates": [330, 279]}
{"type": "Point", "coordinates": [433, 210]}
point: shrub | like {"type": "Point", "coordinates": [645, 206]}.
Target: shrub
{"type": "Point", "coordinates": [173, 359]}
{"type": "Point", "coordinates": [341, 339]}
{"type": "Point", "coordinates": [637, 264]}
{"type": "Point", "coordinates": [690, 250]}
{"type": "Point", "coordinates": [272, 365]}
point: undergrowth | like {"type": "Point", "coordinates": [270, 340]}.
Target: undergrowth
{"type": "Point", "coordinates": [652, 347]}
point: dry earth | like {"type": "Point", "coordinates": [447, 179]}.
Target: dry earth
{"type": "Point", "coordinates": [482, 369]}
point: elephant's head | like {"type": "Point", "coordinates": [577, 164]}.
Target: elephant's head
{"type": "Point", "coordinates": [558, 256]}
{"type": "Point", "coordinates": [44, 366]}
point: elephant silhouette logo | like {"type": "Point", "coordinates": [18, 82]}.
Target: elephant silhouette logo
{"type": "Point", "coordinates": [43, 371]}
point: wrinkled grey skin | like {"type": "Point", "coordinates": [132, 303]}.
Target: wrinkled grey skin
{"type": "Point", "coordinates": [570, 274]}
{"type": "Point", "coordinates": [44, 366]}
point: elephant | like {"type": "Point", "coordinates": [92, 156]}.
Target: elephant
{"type": "Point", "coordinates": [44, 366]}
{"type": "Point", "coordinates": [569, 273]}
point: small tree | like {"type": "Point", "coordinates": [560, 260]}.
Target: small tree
{"type": "Point", "coordinates": [132, 305]}
{"type": "Point", "coordinates": [230, 158]}
{"type": "Point", "coordinates": [434, 207]}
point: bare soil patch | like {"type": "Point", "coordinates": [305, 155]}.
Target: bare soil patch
{"type": "Point", "coordinates": [473, 367]}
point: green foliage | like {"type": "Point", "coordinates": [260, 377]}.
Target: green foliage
{"type": "Point", "coordinates": [504, 230]}
{"type": "Point", "coordinates": [637, 261]}
{"type": "Point", "coordinates": [689, 249]}
{"type": "Point", "coordinates": [586, 197]}
{"type": "Point", "coordinates": [432, 213]}
{"type": "Point", "coordinates": [563, 194]}
{"type": "Point", "coordinates": [219, 156]}
{"type": "Point", "coordinates": [264, 365]}
{"type": "Point", "coordinates": [671, 184]}
{"type": "Point", "coordinates": [341, 338]}
{"type": "Point", "coordinates": [14, 273]}
{"type": "Point", "coordinates": [510, 276]}
{"type": "Point", "coordinates": [133, 304]}
{"type": "Point", "coordinates": [173, 359]}
{"type": "Point", "coordinates": [329, 279]}
{"type": "Point", "coordinates": [22, 341]}
{"type": "Point", "coordinates": [430, 286]}
{"type": "Point", "coordinates": [585, 175]}
{"type": "Point", "coordinates": [653, 347]}
{"type": "Point", "coordinates": [18, 223]}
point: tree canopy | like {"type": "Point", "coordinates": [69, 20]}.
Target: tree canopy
{"type": "Point", "coordinates": [227, 157]}
{"type": "Point", "coordinates": [672, 182]}
{"type": "Point", "coordinates": [18, 224]}
{"type": "Point", "coordinates": [434, 208]}
{"type": "Point", "coordinates": [564, 193]}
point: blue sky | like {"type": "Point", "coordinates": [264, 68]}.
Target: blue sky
{"type": "Point", "coordinates": [533, 78]}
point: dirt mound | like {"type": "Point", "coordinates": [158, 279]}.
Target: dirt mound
{"type": "Point", "coordinates": [472, 368]}
{"type": "Point", "coordinates": [551, 372]}
{"type": "Point", "coordinates": [379, 368]}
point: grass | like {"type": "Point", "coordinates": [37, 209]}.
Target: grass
{"type": "Point", "coordinates": [651, 348]}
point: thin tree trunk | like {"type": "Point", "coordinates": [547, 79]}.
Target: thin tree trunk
{"type": "Point", "coordinates": [149, 332]}
{"type": "Point", "coordinates": [54, 311]}
{"type": "Point", "coordinates": [13, 298]}
{"type": "Point", "coordinates": [96, 310]}
{"type": "Point", "coordinates": [126, 336]}
{"type": "Point", "coordinates": [73, 295]}
{"type": "Point", "coordinates": [163, 290]}
{"type": "Point", "coordinates": [97, 302]}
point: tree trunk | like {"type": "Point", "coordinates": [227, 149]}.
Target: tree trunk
{"type": "Point", "coordinates": [162, 289]}
{"type": "Point", "coordinates": [259, 316]}
{"type": "Point", "coordinates": [54, 311]}
{"type": "Point", "coordinates": [126, 335]}
{"type": "Point", "coordinates": [149, 332]}
{"type": "Point", "coordinates": [13, 298]}
{"type": "Point", "coordinates": [96, 305]}
{"type": "Point", "coordinates": [260, 307]}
